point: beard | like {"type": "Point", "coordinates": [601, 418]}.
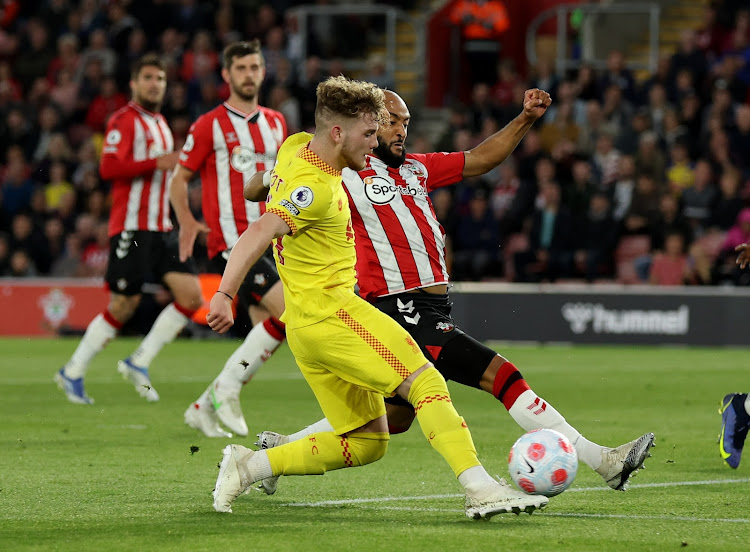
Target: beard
{"type": "Point", "coordinates": [153, 107]}
{"type": "Point", "coordinates": [244, 96]}
{"type": "Point", "coordinates": [384, 153]}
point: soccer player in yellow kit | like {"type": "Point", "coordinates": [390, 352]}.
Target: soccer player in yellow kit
{"type": "Point", "coordinates": [351, 354]}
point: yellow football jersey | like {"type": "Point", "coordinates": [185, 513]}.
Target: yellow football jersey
{"type": "Point", "coordinates": [316, 260]}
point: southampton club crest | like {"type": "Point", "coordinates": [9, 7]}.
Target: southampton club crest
{"type": "Point", "coordinates": [56, 305]}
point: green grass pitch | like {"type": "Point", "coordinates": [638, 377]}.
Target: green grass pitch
{"type": "Point", "coordinates": [120, 475]}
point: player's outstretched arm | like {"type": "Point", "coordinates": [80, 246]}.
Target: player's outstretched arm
{"type": "Point", "coordinates": [256, 188]}
{"type": "Point", "coordinates": [495, 149]}
{"type": "Point", "coordinates": [744, 254]}
{"type": "Point", "coordinates": [252, 244]}
{"type": "Point", "coordinates": [178, 196]}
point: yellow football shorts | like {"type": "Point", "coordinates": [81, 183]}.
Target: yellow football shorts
{"type": "Point", "coordinates": [352, 359]}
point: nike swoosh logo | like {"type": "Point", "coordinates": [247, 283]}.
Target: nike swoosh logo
{"type": "Point", "coordinates": [531, 468]}
{"type": "Point", "coordinates": [724, 454]}
{"type": "Point", "coordinates": [216, 404]}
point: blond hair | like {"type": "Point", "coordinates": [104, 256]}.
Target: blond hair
{"type": "Point", "coordinates": [339, 97]}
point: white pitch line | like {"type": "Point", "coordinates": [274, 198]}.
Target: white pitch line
{"type": "Point", "coordinates": [575, 489]}
{"type": "Point", "coordinates": [574, 515]}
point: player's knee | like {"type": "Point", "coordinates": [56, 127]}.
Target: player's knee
{"type": "Point", "coordinates": [429, 383]}
{"type": "Point", "coordinates": [367, 448]}
{"type": "Point", "coordinates": [400, 417]}
{"type": "Point", "coordinates": [122, 307]}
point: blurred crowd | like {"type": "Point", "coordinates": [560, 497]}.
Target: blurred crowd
{"type": "Point", "coordinates": [624, 179]}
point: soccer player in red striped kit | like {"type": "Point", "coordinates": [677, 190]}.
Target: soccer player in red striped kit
{"type": "Point", "coordinates": [227, 146]}
{"type": "Point", "coordinates": [401, 269]}
{"type": "Point", "coordinates": [138, 158]}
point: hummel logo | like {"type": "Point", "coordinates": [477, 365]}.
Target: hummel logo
{"type": "Point", "coordinates": [405, 307]}
{"type": "Point", "coordinates": [414, 320]}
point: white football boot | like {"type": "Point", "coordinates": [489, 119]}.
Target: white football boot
{"type": "Point", "coordinates": [228, 409]}
{"type": "Point", "coordinates": [267, 440]}
{"type": "Point", "coordinates": [619, 464]}
{"type": "Point", "coordinates": [501, 498]}
{"type": "Point", "coordinates": [138, 376]}
{"type": "Point", "coordinates": [233, 479]}
{"type": "Point", "coordinates": [204, 419]}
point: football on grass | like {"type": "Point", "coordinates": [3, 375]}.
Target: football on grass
{"type": "Point", "coordinates": [543, 462]}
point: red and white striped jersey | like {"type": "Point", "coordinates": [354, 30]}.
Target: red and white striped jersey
{"type": "Point", "coordinates": [140, 192]}
{"type": "Point", "coordinates": [227, 147]}
{"type": "Point", "coordinates": [400, 243]}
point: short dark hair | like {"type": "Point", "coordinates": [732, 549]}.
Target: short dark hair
{"type": "Point", "coordinates": [148, 60]}
{"type": "Point", "coordinates": [241, 49]}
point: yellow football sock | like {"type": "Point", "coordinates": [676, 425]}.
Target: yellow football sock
{"type": "Point", "coordinates": [322, 452]}
{"type": "Point", "coordinates": [444, 428]}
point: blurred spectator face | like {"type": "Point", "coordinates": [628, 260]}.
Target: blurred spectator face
{"type": "Point", "coordinates": [58, 147]}
{"type": "Point", "coordinates": [109, 88]}
{"type": "Point", "coordinates": [15, 155]}
{"type": "Point", "coordinates": [54, 230]}
{"type": "Point", "coordinates": [647, 143]}
{"type": "Point", "coordinates": [604, 144]}
{"type": "Point", "coordinates": [266, 16]}
{"type": "Point", "coordinates": [645, 185]}
{"type": "Point", "coordinates": [627, 167]}
{"type": "Point", "coordinates": [668, 206]}
{"type": "Point", "coordinates": [90, 180]}
{"type": "Point", "coordinates": [85, 226]}
{"type": "Point", "coordinates": [37, 35]}
{"type": "Point", "coordinates": [201, 42]}
{"type": "Point", "coordinates": [67, 205]}
{"type": "Point", "coordinates": [96, 203]}
{"type": "Point", "coordinates": [275, 39]}
{"type": "Point", "coordinates": [57, 172]}
{"type": "Point", "coordinates": [312, 69]}
{"type": "Point", "coordinates": [137, 40]}
{"type": "Point", "coordinates": [684, 79]}
{"type": "Point", "coordinates": [615, 61]}
{"type": "Point", "coordinates": [593, 113]}
{"type": "Point", "coordinates": [687, 41]}
{"type": "Point", "coordinates": [729, 183]}
{"type": "Point", "coordinates": [674, 245]}
{"type": "Point", "coordinates": [599, 206]}
{"type": "Point", "coordinates": [478, 205]}
{"type": "Point", "coordinates": [20, 263]}
{"type": "Point", "coordinates": [16, 121]}
{"type": "Point", "coordinates": [671, 120]}
{"type": "Point", "coordinates": [169, 40]}
{"type": "Point", "coordinates": [480, 94]}
{"type": "Point", "coordinates": [657, 96]}
{"type": "Point", "coordinates": [703, 172]}
{"type": "Point", "coordinates": [98, 40]}
{"type": "Point", "coordinates": [545, 170]}
{"type": "Point", "coordinates": [742, 118]}
{"type": "Point", "coordinates": [149, 87]}
{"type": "Point", "coordinates": [15, 173]}
{"type": "Point", "coordinates": [67, 46]}
{"type": "Point", "coordinates": [613, 95]}
{"type": "Point", "coordinates": [678, 153]}
{"type": "Point", "coordinates": [581, 171]}
{"type": "Point", "coordinates": [48, 118]}
{"type": "Point", "coordinates": [462, 140]}
{"type": "Point", "coordinates": [21, 227]}
{"type": "Point", "coordinates": [531, 143]}
{"type": "Point", "coordinates": [39, 201]}
{"type": "Point", "coordinates": [550, 192]}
